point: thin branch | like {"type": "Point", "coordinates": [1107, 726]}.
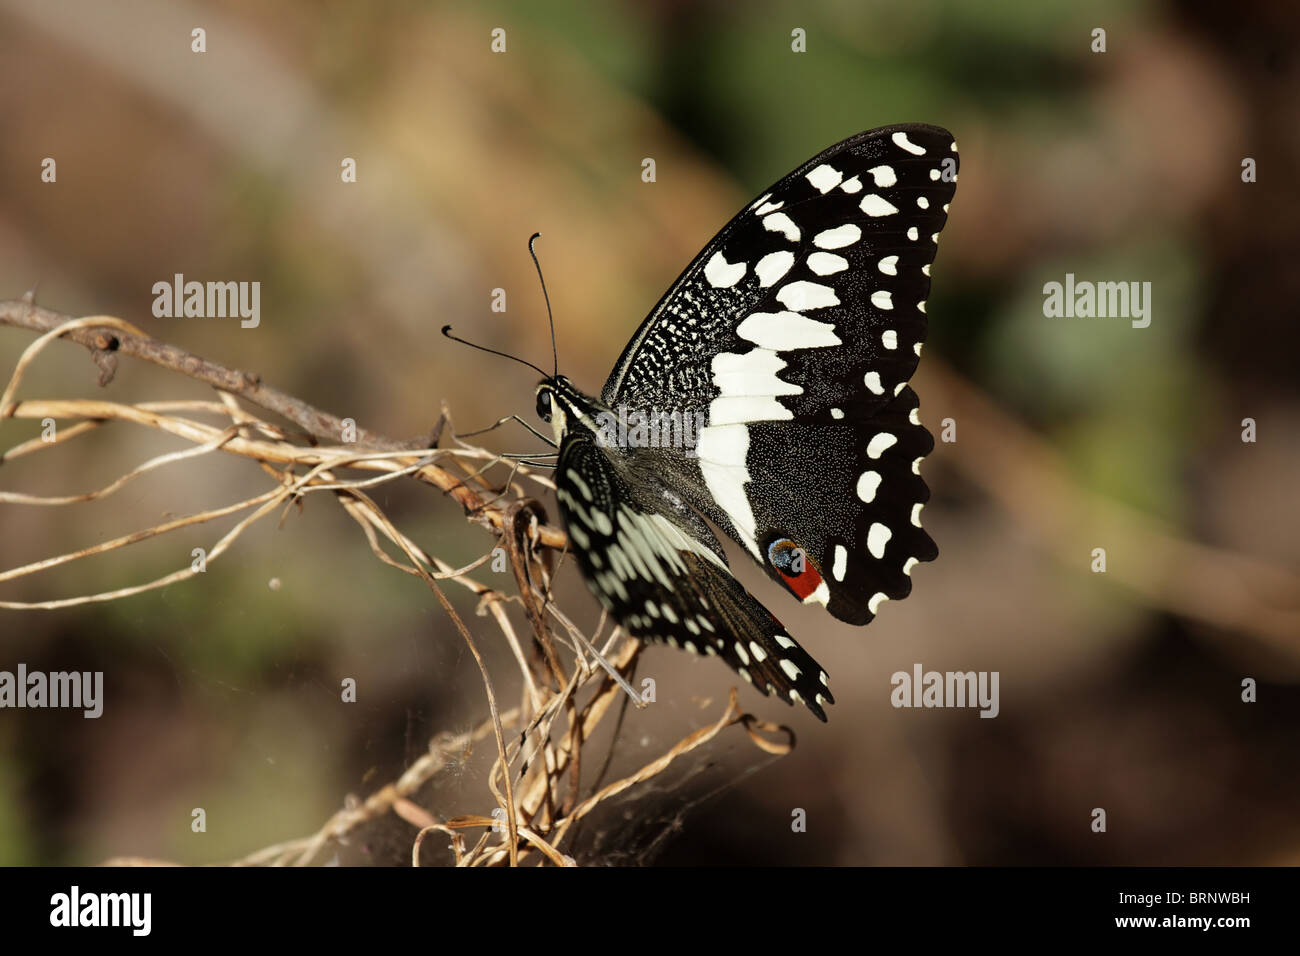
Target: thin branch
{"type": "Point", "coordinates": [535, 776]}
{"type": "Point", "coordinates": [107, 337]}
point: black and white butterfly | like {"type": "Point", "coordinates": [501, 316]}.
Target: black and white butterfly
{"type": "Point", "coordinates": [784, 350]}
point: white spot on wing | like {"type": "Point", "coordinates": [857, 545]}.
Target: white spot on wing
{"type": "Point", "coordinates": [888, 265]}
{"type": "Point", "coordinates": [872, 380]}
{"type": "Point", "coordinates": [780, 222]}
{"type": "Point", "coordinates": [839, 237]}
{"type": "Point", "coordinates": [902, 142]}
{"type": "Point", "coordinates": [876, 206]}
{"type": "Point", "coordinates": [868, 482]}
{"type": "Point", "coordinates": [826, 263]}
{"type": "Point", "coordinates": [841, 562]}
{"type": "Point", "coordinates": [722, 274]}
{"type": "Point", "coordinates": [882, 299]}
{"type": "Point", "coordinates": [748, 374]}
{"type": "Point", "coordinates": [767, 207]}
{"type": "Point", "coordinates": [824, 178]}
{"type": "Point", "coordinates": [773, 266]}
{"type": "Point", "coordinates": [877, 537]}
{"type": "Point", "coordinates": [889, 338]}
{"type": "Point", "coordinates": [786, 330]}
{"type": "Point", "coordinates": [880, 442]}
{"type": "Point", "coordinates": [852, 186]}
{"type": "Point", "coordinates": [723, 450]}
{"type": "Point", "coordinates": [743, 409]}
{"type": "Point", "coordinates": [883, 175]}
{"type": "Point", "coordinates": [581, 485]}
{"type": "Point", "coordinates": [803, 295]}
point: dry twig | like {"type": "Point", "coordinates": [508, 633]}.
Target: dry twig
{"type": "Point", "coordinates": [535, 776]}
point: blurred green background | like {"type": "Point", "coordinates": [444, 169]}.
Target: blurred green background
{"type": "Point", "coordinates": [1124, 165]}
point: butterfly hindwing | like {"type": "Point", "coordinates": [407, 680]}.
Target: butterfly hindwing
{"type": "Point", "coordinates": [660, 572]}
{"type": "Point", "coordinates": [793, 335]}
{"type": "Point", "coordinates": [865, 537]}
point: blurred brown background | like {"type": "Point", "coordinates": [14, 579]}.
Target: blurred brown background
{"type": "Point", "coordinates": [1119, 691]}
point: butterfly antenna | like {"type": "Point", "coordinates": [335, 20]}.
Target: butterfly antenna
{"type": "Point", "coordinates": [551, 318]}
{"type": "Point", "coordinates": [446, 330]}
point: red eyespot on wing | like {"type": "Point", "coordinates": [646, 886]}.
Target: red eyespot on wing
{"type": "Point", "coordinates": [795, 567]}
{"type": "Point", "coordinates": [803, 585]}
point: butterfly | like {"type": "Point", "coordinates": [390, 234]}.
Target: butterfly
{"type": "Point", "coordinates": [766, 394]}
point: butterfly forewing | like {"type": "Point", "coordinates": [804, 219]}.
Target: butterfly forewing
{"type": "Point", "coordinates": [793, 335]}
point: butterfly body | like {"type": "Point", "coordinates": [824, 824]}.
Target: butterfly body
{"type": "Point", "coordinates": [766, 395]}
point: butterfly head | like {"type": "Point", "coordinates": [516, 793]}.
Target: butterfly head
{"type": "Point", "coordinates": [561, 404]}
{"type": "Point", "coordinates": [549, 409]}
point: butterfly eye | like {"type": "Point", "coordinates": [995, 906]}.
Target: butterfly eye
{"type": "Point", "coordinates": [544, 406]}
